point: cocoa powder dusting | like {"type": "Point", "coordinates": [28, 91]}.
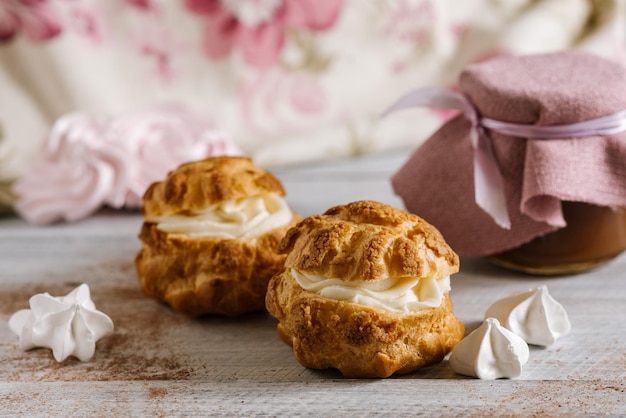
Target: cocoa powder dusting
{"type": "Point", "coordinates": [157, 393]}
{"type": "Point", "coordinates": [138, 349]}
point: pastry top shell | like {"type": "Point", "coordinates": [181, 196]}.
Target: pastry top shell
{"type": "Point", "coordinates": [197, 185]}
{"type": "Point", "coordinates": [368, 241]}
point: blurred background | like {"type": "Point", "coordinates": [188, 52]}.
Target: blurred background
{"type": "Point", "coordinates": [286, 81]}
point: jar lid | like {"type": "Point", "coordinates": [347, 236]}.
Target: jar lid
{"type": "Point", "coordinates": [549, 89]}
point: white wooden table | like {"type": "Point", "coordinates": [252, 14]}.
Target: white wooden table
{"type": "Point", "coordinates": [160, 363]}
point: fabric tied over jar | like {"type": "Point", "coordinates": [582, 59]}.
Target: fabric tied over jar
{"type": "Point", "coordinates": [578, 96]}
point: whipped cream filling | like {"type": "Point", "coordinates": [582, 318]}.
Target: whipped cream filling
{"type": "Point", "coordinates": [242, 219]}
{"type": "Point", "coordinates": [490, 352]}
{"type": "Point", "coordinates": [398, 295]}
{"type": "Point", "coordinates": [533, 314]}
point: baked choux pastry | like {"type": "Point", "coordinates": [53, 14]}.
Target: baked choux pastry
{"type": "Point", "coordinates": [209, 237]}
{"type": "Point", "coordinates": [365, 290]}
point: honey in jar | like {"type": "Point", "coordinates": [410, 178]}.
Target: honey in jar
{"type": "Point", "coordinates": [532, 172]}
{"type": "Point", "coordinates": [593, 236]}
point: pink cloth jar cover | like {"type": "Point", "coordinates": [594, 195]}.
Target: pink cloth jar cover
{"type": "Point", "coordinates": [549, 89]}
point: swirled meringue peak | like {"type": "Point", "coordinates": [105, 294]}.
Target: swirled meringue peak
{"type": "Point", "coordinates": [533, 314]}
{"type": "Point", "coordinates": [490, 352]}
{"type": "Point", "coordinates": [69, 325]}
{"type": "Point", "coordinates": [76, 173]}
{"type": "Point", "coordinates": [162, 137]}
{"type": "Point", "coordinates": [90, 161]}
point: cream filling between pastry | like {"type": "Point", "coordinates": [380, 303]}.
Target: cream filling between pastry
{"type": "Point", "coordinates": [242, 219]}
{"type": "Point", "coordinates": [399, 295]}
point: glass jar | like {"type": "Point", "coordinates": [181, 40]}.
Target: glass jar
{"type": "Point", "coordinates": [593, 236]}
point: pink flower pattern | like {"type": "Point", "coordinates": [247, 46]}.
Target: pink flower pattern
{"type": "Point", "coordinates": [277, 101]}
{"type": "Point", "coordinates": [34, 18]}
{"type": "Point", "coordinates": [262, 37]}
{"type": "Point", "coordinates": [290, 78]}
{"type": "Point", "coordinates": [144, 5]}
{"type": "Point", "coordinates": [85, 23]}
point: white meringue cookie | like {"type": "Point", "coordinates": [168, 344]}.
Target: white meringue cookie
{"type": "Point", "coordinates": [533, 314]}
{"type": "Point", "coordinates": [69, 325]}
{"type": "Point", "coordinates": [490, 352]}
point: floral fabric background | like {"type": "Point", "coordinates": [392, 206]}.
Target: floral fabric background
{"type": "Point", "coordinates": [288, 80]}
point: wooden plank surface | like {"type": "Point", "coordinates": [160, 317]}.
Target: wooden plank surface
{"type": "Point", "coordinates": [159, 362]}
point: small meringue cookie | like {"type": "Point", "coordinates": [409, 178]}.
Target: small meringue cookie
{"type": "Point", "coordinates": [90, 161]}
{"type": "Point", "coordinates": [75, 175]}
{"type": "Point", "coordinates": [160, 138]}
{"type": "Point", "coordinates": [533, 314]}
{"type": "Point", "coordinates": [490, 352]}
{"type": "Point", "coordinates": [69, 325]}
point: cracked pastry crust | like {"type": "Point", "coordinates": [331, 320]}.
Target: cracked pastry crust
{"type": "Point", "coordinates": [197, 185]}
{"type": "Point", "coordinates": [198, 276]}
{"type": "Point", "coordinates": [363, 241]}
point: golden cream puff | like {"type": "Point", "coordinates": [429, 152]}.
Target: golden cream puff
{"type": "Point", "coordinates": [365, 290]}
{"type": "Point", "coordinates": [209, 237]}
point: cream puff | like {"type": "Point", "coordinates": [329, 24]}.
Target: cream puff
{"type": "Point", "coordinates": [365, 290]}
{"type": "Point", "coordinates": [209, 237]}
